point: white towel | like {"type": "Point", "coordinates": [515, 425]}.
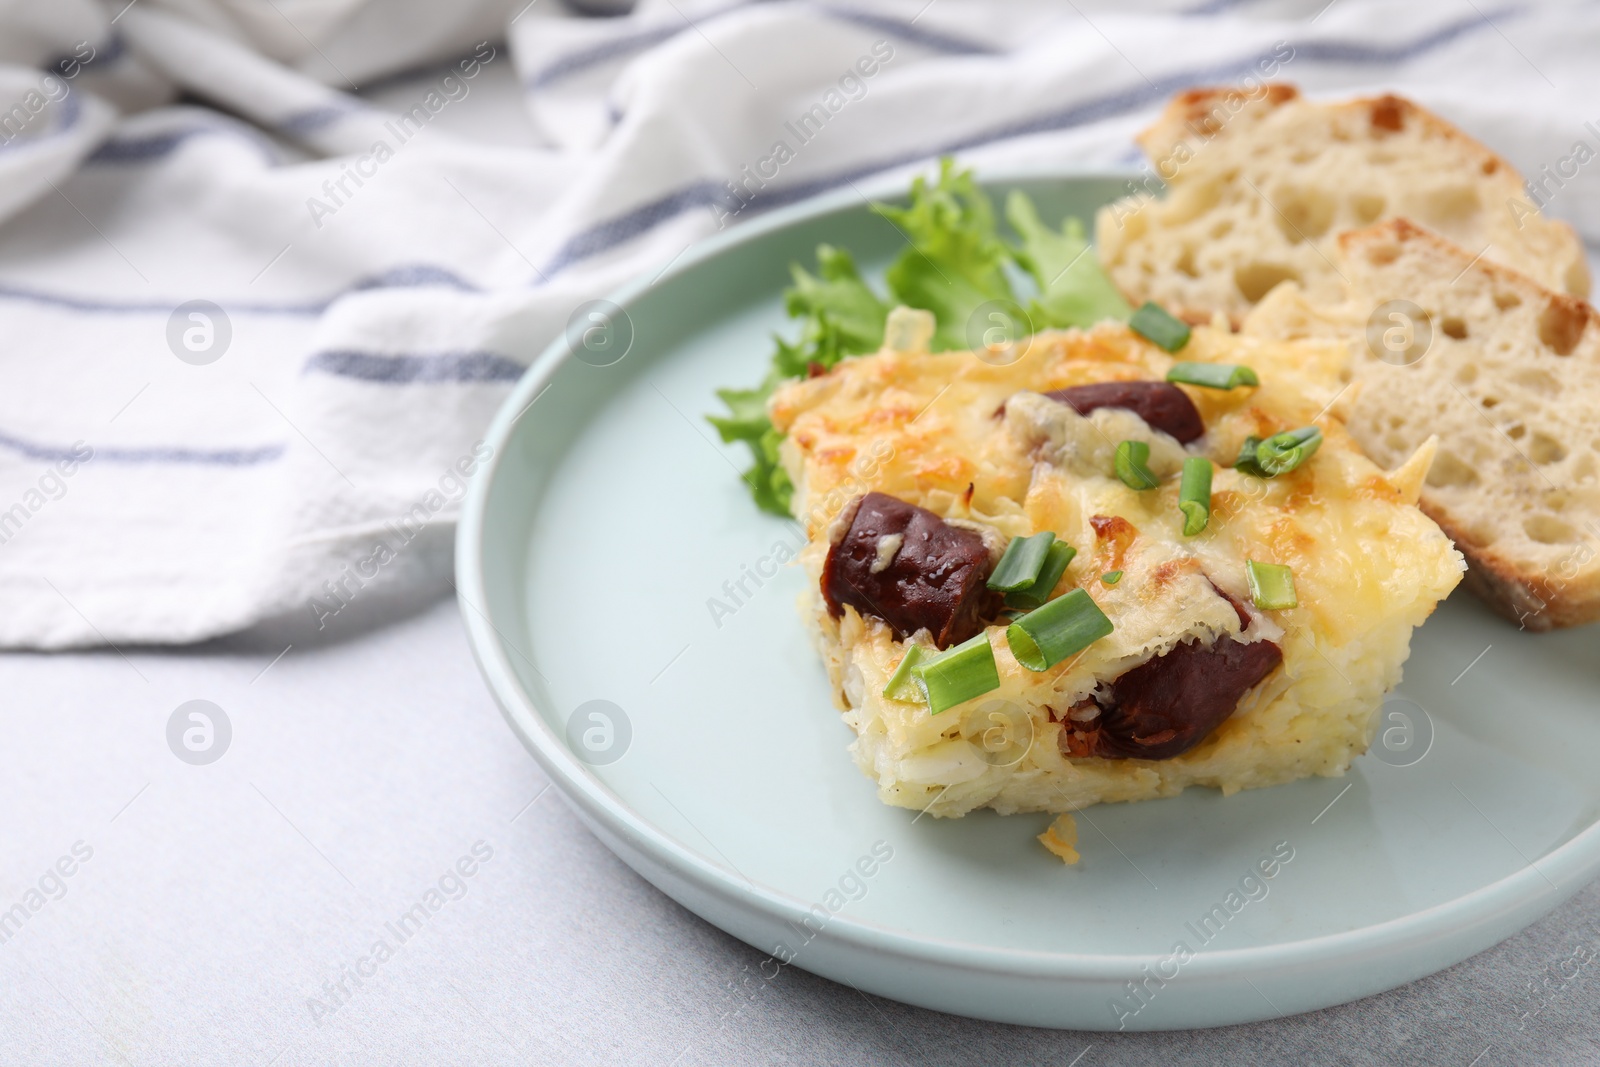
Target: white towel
{"type": "Point", "coordinates": [293, 451]}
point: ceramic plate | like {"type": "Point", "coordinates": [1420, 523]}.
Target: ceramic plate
{"type": "Point", "coordinates": [702, 746]}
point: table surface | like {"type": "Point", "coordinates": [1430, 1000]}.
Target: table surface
{"type": "Point", "coordinates": [225, 912]}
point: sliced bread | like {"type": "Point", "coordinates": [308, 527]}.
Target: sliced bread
{"type": "Point", "coordinates": [1506, 373]}
{"type": "Point", "coordinates": [1260, 185]}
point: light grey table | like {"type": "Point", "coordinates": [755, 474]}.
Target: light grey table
{"type": "Point", "coordinates": [221, 905]}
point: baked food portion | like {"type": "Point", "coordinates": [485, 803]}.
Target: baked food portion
{"type": "Point", "coordinates": [1260, 186]}
{"type": "Point", "coordinates": [1507, 374]}
{"type": "Point", "coordinates": [910, 568]}
{"type": "Point", "coordinates": [1196, 683]}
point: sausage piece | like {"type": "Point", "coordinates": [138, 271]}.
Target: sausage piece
{"type": "Point", "coordinates": [910, 568]}
{"type": "Point", "coordinates": [1163, 405]}
{"type": "Point", "coordinates": [1168, 705]}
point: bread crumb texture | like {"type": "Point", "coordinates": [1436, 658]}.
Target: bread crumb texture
{"type": "Point", "coordinates": [1506, 373]}
{"type": "Point", "coordinates": [1260, 185]}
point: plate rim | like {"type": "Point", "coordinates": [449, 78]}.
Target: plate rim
{"type": "Point", "coordinates": [1575, 861]}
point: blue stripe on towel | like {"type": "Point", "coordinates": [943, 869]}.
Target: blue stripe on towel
{"type": "Point", "coordinates": [315, 118]}
{"type": "Point", "coordinates": [907, 30]}
{"type": "Point", "coordinates": [1212, 7]}
{"type": "Point", "coordinates": [65, 119]}
{"type": "Point", "coordinates": [105, 54]}
{"type": "Point", "coordinates": [582, 59]}
{"type": "Point", "coordinates": [412, 276]}
{"type": "Point", "coordinates": [402, 369]}
{"type": "Point", "coordinates": [142, 148]}
{"type": "Point", "coordinates": [612, 232]}
{"type": "Point", "coordinates": [625, 227]}
{"type": "Point", "coordinates": [476, 366]}
{"type": "Point", "coordinates": [227, 457]}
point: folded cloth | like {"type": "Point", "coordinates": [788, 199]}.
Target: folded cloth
{"type": "Point", "coordinates": [252, 333]}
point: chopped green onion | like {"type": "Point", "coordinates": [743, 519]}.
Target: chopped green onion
{"type": "Point", "coordinates": [958, 674]}
{"type": "Point", "coordinates": [1019, 567]}
{"type": "Point", "coordinates": [1271, 585]}
{"type": "Point", "coordinates": [1111, 577]}
{"type": "Point", "coordinates": [1055, 565]}
{"type": "Point", "coordinates": [1194, 495]}
{"type": "Point", "coordinates": [1278, 454]}
{"type": "Point", "coordinates": [900, 686]}
{"type": "Point", "coordinates": [1064, 627]}
{"type": "Point", "coordinates": [1282, 453]}
{"type": "Point", "coordinates": [1154, 324]}
{"type": "Point", "coordinates": [1131, 465]}
{"type": "Point", "coordinates": [1247, 461]}
{"type": "Point", "coordinates": [1213, 375]}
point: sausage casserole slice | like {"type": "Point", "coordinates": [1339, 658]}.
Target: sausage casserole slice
{"type": "Point", "coordinates": [1165, 653]}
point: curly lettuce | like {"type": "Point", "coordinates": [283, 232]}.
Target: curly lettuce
{"type": "Point", "coordinates": [840, 316]}
{"type": "Point", "coordinates": [955, 262]}
{"type": "Point", "coordinates": [1074, 290]}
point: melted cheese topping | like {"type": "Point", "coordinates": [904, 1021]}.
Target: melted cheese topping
{"type": "Point", "coordinates": [975, 443]}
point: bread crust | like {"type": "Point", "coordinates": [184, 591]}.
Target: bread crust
{"type": "Point", "coordinates": [1529, 530]}
{"type": "Point", "coordinates": [1535, 595]}
{"type": "Point", "coordinates": [1194, 110]}
{"type": "Point", "coordinates": [1526, 598]}
{"type": "Point", "coordinates": [1166, 250]}
{"type": "Point", "coordinates": [1570, 315]}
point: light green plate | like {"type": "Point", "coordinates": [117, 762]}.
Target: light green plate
{"type": "Point", "coordinates": [612, 517]}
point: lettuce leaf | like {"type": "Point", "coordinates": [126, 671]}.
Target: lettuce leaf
{"type": "Point", "coordinates": [837, 296]}
{"type": "Point", "coordinates": [1074, 290]}
{"type": "Point", "coordinates": [841, 316]}
{"type": "Point", "coordinates": [955, 262]}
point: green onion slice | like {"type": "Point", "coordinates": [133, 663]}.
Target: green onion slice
{"type": "Point", "coordinates": [1111, 577]}
{"type": "Point", "coordinates": [1064, 627]}
{"type": "Point", "coordinates": [1247, 461]}
{"type": "Point", "coordinates": [1132, 457]}
{"type": "Point", "coordinates": [1194, 495]}
{"type": "Point", "coordinates": [957, 674]}
{"type": "Point", "coordinates": [1156, 326]}
{"type": "Point", "coordinates": [1055, 565]}
{"type": "Point", "coordinates": [901, 686]}
{"type": "Point", "coordinates": [1282, 453]}
{"type": "Point", "coordinates": [1213, 375]}
{"type": "Point", "coordinates": [1271, 585]}
{"type": "Point", "coordinates": [1023, 559]}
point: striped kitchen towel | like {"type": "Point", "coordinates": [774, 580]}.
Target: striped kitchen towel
{"type": "Point", "coordinates": [267, 270]}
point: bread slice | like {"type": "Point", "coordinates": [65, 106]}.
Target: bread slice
{"type": "Point", "coordinates": [1259, 186]}
{"type": "Point", "coordinates": [1509, 381]}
